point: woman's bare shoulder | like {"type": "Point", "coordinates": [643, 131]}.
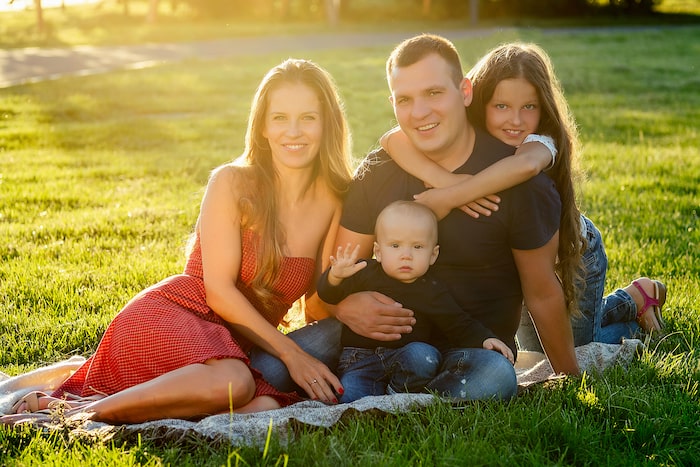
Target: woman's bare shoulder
{"type": "Point", "coordinates": [230, 174]}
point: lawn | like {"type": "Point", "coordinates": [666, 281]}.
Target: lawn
{"type": "Point", "coordinates": [100, 179]}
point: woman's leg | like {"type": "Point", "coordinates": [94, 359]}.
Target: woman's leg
{"type": "Point", "coordinates": [192, 391]}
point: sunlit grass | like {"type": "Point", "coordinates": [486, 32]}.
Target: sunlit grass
{"type": "Point", "coordinates": [100, 180]}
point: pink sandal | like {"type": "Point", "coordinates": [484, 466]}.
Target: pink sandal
{"type": "Point", "coordinates": [656, 302]}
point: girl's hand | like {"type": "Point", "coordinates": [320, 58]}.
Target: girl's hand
{"type": "Point", "coordinates": [437, 200]}
{"type": "Point", "coordinates": [482, 206]}
{"type": "Point", "coordinates": [499, 346]}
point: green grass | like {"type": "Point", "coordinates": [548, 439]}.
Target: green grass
{"type": "Point", "coordinates": [100, 180]}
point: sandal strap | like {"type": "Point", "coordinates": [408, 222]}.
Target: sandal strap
{"type": "Point", "coordinates": [648, 301]}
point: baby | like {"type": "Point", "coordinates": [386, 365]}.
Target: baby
{"type": "Point", "coordinates": [405, 248]}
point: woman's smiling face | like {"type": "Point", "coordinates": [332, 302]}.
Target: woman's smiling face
{"type": "Point", "coordinates": [293, 125]}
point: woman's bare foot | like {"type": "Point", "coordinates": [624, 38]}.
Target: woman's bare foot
{"type": "Point", "coordinates": [649, 296]}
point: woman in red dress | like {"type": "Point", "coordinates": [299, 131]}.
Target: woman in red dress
{"type": "Point", "coordinates": [267, 222]}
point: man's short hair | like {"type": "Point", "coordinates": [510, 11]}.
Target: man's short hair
{"type": "Point", "coordinates": [418, 47]}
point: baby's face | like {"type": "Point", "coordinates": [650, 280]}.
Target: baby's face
{"type": "Point", "coordinates": [513, 112]}
{"type": "Point", "coordinates": [405, 248]}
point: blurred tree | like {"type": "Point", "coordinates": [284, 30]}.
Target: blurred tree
{"type": "Point", "coordinates": [40, 25]}
{"type": "Point", "coordinates": [152, 16]}
{"type": "Point", "coordinates": [332, 12]}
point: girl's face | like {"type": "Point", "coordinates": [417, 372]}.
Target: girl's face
{"type": "Point", "coordinates": [293, 125]}
{"type": "Point", "coordinates": [513, 111]}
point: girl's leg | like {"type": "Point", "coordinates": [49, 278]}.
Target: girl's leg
{"type": "Point", "coordinates": [192, 391]}
{"type": "Point", "coordinates": [587, 327]}
{"type": "Point", "coordinates": [649, 296]}
{"type": "Point", "coordinates": [620, 311]}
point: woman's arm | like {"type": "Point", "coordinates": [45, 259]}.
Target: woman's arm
{"type": "Point", "coordinates": [219, 226]}
{"type": "Point", "coordinates": [314, 307]}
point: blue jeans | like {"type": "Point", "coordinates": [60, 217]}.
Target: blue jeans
{"type": "Point", "coordinates": [379, 371]}
{"type": "Point", "coordinates": [464, 374]}
{"type": "Point", "coordinates": [604, 319]}
{"type": "Point", "coordinates": [475, 374]}
{"type": "Point", "coordinates": [320, 339]}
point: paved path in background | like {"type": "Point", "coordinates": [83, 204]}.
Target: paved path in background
{"type": "Point", "coordinates": [20, 66]}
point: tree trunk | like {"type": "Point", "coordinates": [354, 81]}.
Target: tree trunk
{"type": "Point", "coordinates": [152, 11]}
{"type": "Point", "coordinates": [332, 12]}
{"type": "Point", "coordinates": [285, 11]}
{"type": "Point", "coordinates": [474, 12]}
{"type": "Point", "coordinates": [40, 26]}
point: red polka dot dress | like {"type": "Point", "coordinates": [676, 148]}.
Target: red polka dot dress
{"type": "Point", "coordinates": [169, 326]}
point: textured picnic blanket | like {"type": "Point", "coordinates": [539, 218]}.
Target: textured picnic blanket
{"type": "Point", "coordinates": [252, 429]}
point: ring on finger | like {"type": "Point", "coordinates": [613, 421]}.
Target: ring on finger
{"type": "Point", "coordinates": [314, 382]}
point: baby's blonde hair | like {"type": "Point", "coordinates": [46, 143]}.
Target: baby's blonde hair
{"type": "Point", "coordinates": [412, 209]}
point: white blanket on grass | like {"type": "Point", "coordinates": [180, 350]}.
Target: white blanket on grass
{"type": "Point", "coordinates": [252, 429]}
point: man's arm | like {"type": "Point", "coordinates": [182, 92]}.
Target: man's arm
{"type": "Point", "coordinates": [371, 314]}
{"type": "Point", "coordinates": [544, 298]}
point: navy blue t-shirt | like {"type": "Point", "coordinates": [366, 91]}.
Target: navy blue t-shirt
{"type": "Point", "coordinates": [475, 262]}
{"type": "Point", "coordinates": [440, 321]}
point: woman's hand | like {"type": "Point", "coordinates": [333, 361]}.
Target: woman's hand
{"type": "Point", "coordinates": [313, 377]}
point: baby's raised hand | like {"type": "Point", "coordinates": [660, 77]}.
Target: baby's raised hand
{"type": "Point", "coordinates": [344, 263]}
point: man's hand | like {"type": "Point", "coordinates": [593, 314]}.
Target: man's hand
{"type": "Point", "coordinates": [375, 316]}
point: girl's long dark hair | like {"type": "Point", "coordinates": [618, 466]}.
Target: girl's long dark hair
{"type": "Point", "coordinates": [530, 62]}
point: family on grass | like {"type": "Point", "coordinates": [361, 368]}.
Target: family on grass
{"type": "Point", "coordinates": [421, 271]}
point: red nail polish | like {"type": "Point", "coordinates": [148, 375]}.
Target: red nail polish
{"type": "Point", "coordinates": [335, 401]}
{"type": "Point", "coordinates": [341, 391]}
